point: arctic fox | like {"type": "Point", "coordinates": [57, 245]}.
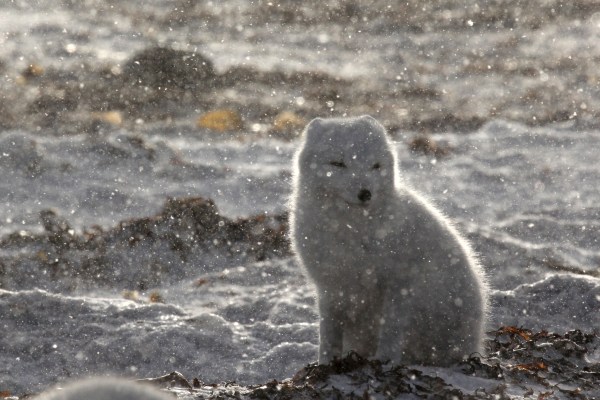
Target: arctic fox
{"type": "Point", "coordinates": [105, 389]}
{"type": "Point", "coordinates": [394, 279]}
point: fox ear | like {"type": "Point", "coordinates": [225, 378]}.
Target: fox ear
{"type": "Point", "coordinates": [372, 122]}
{"type": "Point", "coordinates": [316, 124]}
{"type": "Point", "coordinates": [367, 117]}
{"type": "Point", "coordinates": [314, 127]}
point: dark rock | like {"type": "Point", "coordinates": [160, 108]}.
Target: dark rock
{"type": "Point", "coordinates": [135, 253]}
{"type": "Point", "coordinates": [165, 67]}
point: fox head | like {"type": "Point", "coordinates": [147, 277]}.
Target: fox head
{"type": "Point", "coordinates": [348, 161]}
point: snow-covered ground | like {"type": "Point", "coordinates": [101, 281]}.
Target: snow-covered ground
{"type": "Point", "coordinates": [111, 264]}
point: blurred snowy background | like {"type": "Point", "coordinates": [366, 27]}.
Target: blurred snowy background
{"type": "Point", "coordinates": [118, 119]}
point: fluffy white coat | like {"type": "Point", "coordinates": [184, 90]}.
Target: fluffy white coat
{"type": "Point", "coordinates": [394, 278]}
{"type": "Point", "coordinates": [105, 389]}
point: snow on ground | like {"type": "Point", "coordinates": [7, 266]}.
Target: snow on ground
{"type": "Point", "coordinates": [236, 305]}
{"type": "Point", "coordinates": [113, 260]}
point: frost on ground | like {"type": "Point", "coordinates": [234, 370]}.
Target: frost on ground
{"type": "Point", "coordinates": [183, 286]}
{"type": "Point", "coordinates": [521, 364]}
{"type": "Point", "coordinates": [188, 237]}
{"type": "Point", "coordinates": [246, 315]}
{"type": "Point", "coordinates": [249, 317]}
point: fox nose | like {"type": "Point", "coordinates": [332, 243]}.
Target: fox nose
{"type": "Point", "coordinates": [364, 195]}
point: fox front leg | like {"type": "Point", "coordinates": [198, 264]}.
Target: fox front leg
{"type": "Point", "coordinates": [331, 332]}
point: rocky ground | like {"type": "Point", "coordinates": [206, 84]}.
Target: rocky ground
{"type": "Point", "coordinates": [520, 364]}
{"type": "Point", "coordinates": [447, 66]}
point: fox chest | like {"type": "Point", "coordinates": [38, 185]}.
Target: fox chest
{"type": "Point", "coordinates": [347, 255]}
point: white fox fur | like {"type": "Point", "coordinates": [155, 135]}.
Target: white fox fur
{"type": "Point", "coordinates": [394, 278]}
{"type": "Point", "coordinates": [105, 389]}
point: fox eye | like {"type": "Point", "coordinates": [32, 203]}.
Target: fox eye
{"type": "Point", "coordinates": [376, 166]}
{"type": "Point", "coordinates": [339, 164]}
